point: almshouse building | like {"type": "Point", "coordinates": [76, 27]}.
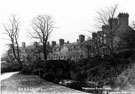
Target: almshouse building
{"type": "Point", "coordinates": [73, 51]}
{"type": "Point", "coordinates": [101, 43]}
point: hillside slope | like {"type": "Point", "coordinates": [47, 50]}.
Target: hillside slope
{"type": "Point", "coordinates": [126, 80]}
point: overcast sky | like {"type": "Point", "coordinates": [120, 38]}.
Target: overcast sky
{"type": "Point", "coordinates": [72, 17]}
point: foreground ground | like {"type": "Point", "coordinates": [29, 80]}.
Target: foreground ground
{"type": "Point", "coordinates": [32, 84]}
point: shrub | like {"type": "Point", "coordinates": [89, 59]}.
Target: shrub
{"type": "Point", "coordinates": [9, 68]}
{"type": "Point", "coordinates": [49, 77]}
{"type": "Point", "coordinates": [26, 70]}
{"type": "Point", "coordinates": [38, 72]}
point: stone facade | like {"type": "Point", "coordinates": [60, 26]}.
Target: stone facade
{"type": "Point", "coordinates": [73, 51]}
{"type": "Point", "coordinates": [110, 35]}
{"type": "Point", "coordinates": [98, 44]}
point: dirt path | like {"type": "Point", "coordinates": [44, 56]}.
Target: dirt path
{"type": "Point", "coordinates": [7, 75]}
{"type": "Point", "coordinates": [31, 84]}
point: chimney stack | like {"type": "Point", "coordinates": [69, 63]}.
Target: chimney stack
{"type": "Point", "coordinates": [77, 40]}
{"type": "Point", "coordinates": [23, 44]}
{"type": "Point", "coordinates": [48, 43]}
{"type": "Point", "coordinates": [35, 44]}
{"type": "Point", "coordinates": [81, 38]}
{"type": "Point", "coordinates": [61, 42]}
{"type": "Point", "coordinates": [68, 42]}
{"type": "Point", "coordinates": [53, 43]}
{"type": "Point", "coordinates": [94, 35]}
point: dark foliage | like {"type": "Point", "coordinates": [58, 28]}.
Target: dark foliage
{"type": "Point", "coordinates": [104, 71]}
{"type": "Point", "coordinates": [9, 68]}
{"type": "Point", "coordinates": [53, 70]}
{"type": "Point", "coordinates": [26, 70]}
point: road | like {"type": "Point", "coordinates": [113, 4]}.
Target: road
{"type": "Point", "coordinates": [14, 83]}
{"type": "Point", "coordinates": [7, 75]}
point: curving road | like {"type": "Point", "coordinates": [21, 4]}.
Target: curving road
{"type": "Point", "coordinates": [7, 75]}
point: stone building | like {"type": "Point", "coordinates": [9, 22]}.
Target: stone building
{"type": "Point", "coordinates": [73, 51]}
{"type": "Point", "coordinates": [30, 52]}
{"type": "Point", "coordinates": [100, 43]}
{"type": "Point", "coordinates": [111, 34]}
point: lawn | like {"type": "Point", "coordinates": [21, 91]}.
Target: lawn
{"type": "Point", "coordinates": [32, 84]}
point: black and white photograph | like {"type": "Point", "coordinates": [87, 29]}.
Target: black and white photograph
{"type": "Point", "coordinates": [67, 46]}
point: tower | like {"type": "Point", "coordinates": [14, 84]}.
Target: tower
{"type": "Point", "coordinates": [123, 20]}
{"type": "Point", "coordinates": [113, 23]}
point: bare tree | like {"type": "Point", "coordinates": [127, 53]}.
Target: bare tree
{"type": "Point", "coordinates": [104, 19]}
{"type": "Point", "coordinates": [12, 31]}
{"type": "Point", "coordinates": [105, 14]}
{"type": "Point", "coordinates": [42, 26]}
